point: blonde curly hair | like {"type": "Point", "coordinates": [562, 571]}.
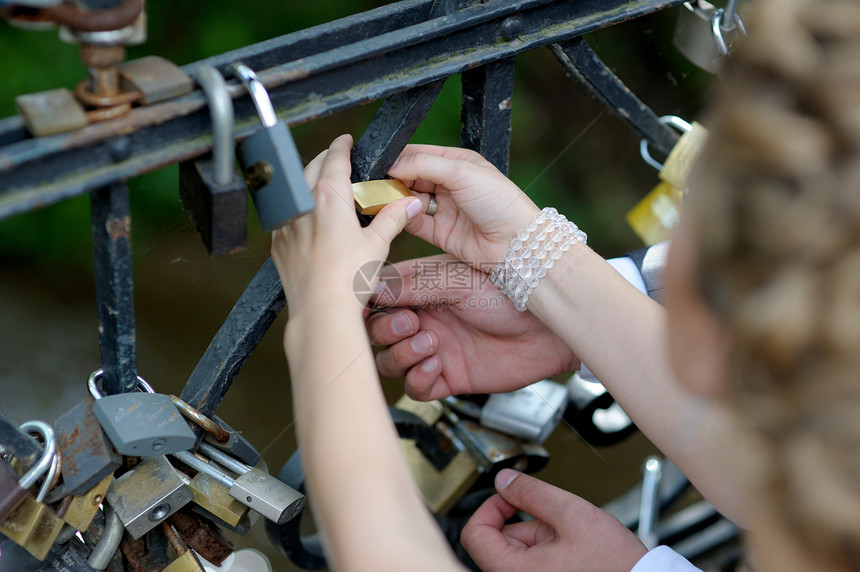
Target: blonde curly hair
{"type": "Point", "coordinates": [777, 217]}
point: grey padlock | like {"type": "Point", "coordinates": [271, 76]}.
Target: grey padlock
{"type": "Point", "coordinates": [88, 454]}
{"type": "Point", "coordinates": [148, 494]}
{"type": "Point", "coordinates": [702, 33]}
{"type": "Point", "coordinates": [270, 161]}
{"type": "Point", "coordinates": [252, 487]}
{"type": "Point", "coordinates": [141, 424]}
{"type": "Point", "coordinates": [211, 189]}
{"type": "Point", "coordinates": [531, 413]}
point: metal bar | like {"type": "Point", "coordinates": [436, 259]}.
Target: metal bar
{"type": "Point", "coordinates": [580, 62]}
{"type": "Point", "coordinates": [36, 172]}
{"type": "Point", "coordinates": [488, 93]}
{"type": "Point", "coordinates": [245, 326]}
{"type": "Point", "coordinates": [19, 444]}
{"type": "Point", "coordinates": [390, 130]}
{"type": "Point", "coordinates": [114, 287]}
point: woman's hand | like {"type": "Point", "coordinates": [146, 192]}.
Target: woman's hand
{"type": "Point", "coordinates": [321, 252]}
{"type": "Point", "coordinates": [479, 209]}
{"type": "Point", "coordinates": [569, 534]}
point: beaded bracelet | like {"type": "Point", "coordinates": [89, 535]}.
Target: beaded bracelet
{"type": "Point", "coordinates": [534, 251]}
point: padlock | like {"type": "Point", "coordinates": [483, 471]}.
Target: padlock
{"type": "Point", "coordinates": [73, 558]}
{"type": "Point", "coordinates": [703, 34]}
{"type": "Point", "coordinates": [593, 413]}
{"type": "Point", "coordinates": [681, 159]}
{"type": "Point", "coordinates": [531, 413]}
{"type": "Point", "coordinates": [83, 508]}
{"type": "Point", "coordinates": [211, 189]}
{"type": "Point", "coordinates": [270, 161]}
{"type": "Point", "coordinates": [33, 524]}
{"type": "Point", "coordinates": [12, 490]}
{"type": "Point", "coordinates": [202, 536]}
{"type": "Point", "coordinates": [141, 424]}
{"type": "Point", "coordinates": [148, 494]}
{"type": "Point", "coordinates": [186, 560]}
{"type": "Point", "coordinates": [213, 496]}
{"type": "Point", "coordinates": [693, 36]}
{"type": "Point", "coordinates": [252, 487]}
{"type": "Point", "coordinates": [654, 217]}
{"type": "Point", "coordinates": [88, 454]}
{"type": "Point", "coordinates": [371, 196]}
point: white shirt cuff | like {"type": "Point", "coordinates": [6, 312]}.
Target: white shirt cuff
{"type": "Point", "coordinates": [664, 559]}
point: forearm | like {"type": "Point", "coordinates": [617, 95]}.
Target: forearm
{"type": "Point", "coordinates": [621, 335]}
{"type": "Point", "coordinates": [362, 490]}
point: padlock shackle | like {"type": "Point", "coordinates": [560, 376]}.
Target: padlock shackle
{"type": "Point", "coordinates": [222, 118]}
{"type": "Point", "coordinates": [110, 540]}
{"type": "Point", "coordinates": [93, 384]}
{"type": "Point", "coordinates": [258, 92]}
{"type": "Point", "coordinates": [679, 124]}
{"type": "Point", "coordinates": [224, 459]}
{"type": "Point", "coordinates": [48, 458]}
{"type": "Point", "coordinates": [202, 466]}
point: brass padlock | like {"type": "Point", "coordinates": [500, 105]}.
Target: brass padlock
{"type": "Point", "coordinates": [83, 508]}
{"type": "Point", "coordinates": [215, 497]}
{"type": "Point", "coordinates": [33, 525]}
{"type": "Point", "coordinates": [371, 196]}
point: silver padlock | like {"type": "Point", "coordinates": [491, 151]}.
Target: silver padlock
{"type": "Point", "coordinates": [530, 413]}
{"type": "Point", "coordinates": [703, 33]}
{"type": "Point", "coordinates": [270, 161]}
{"type": "Point", "coordinates": [141, 424]}
{"type": "Point", "coordinates": [148, 494]}
{"type": "Point", "coordinates": [252, 487]}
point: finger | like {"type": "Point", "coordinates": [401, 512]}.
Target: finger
{"type": "Point", "coordinates": [482, 536]}
{"type": "Point", "coordinates": [528, 533]}
{"type": "Point", "coordinates": [455, 153]}
{"type": "Point", "coordinates": [416, 282]}
{"type": "Point", "coordinates": [398, 358]}
{"type": "Point", "coordinates": [335, 170]}
{"type": "Point", "coordinates": [390, 326]}
{"type": "Point", "coordinates": [425, 381]}
{"type": "Point", "coordinates": [434, 168]}
{"type": "Point", "coordinates": [390, 221]}
{"type": "Point", "coordinates": [539, 499]}
{"type": "Point", "coordinates": [312, 169]}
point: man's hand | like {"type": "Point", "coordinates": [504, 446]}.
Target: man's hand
{"type": "Point", "coordinates": [569, 534]}
{"type": "Point", "coordinates": [450, 332]}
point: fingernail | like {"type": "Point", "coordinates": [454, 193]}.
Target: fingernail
{"type": "Point", "coordinates": [413, 208]}
{"type": "Point", "coordinates": [505, 477]}
{"type": "Point", "coordinates": [395, 163]}
{"type": "Point", "coordinates": [381, 286]}
{"type": "Point", "coordinates": [430, 365]}
{"type": "Point", "coordinates": [402, 325]}
{"type": "Point", "coordinates": [422, 343]}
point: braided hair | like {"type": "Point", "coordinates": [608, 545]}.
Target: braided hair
{"type": "Point", "coordinates": [776, 210]}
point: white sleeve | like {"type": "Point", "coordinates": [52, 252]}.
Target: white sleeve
{"type": "Point", "coordinates": [664, 559]}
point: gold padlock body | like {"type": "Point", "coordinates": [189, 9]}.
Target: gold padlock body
{"type": "Point", "coordinates": [214, 497]}
{"type": "Point", "coordinates": [33, 526]}
{"type": "Point", "coordinates": [186, 562]}
{"type": "Point", "coordinates": [84, 507]}
{"type": "Point", "coordinates": [371, 196]}
{"type": "Point", "coordinates": [676, 169]}
{"type": "Point", "coordinates": [656, 215]}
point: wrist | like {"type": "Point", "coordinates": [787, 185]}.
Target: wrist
{"type": "Point", "coordinates": [533, 252]}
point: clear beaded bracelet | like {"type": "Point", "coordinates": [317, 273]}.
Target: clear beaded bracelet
{"type": "Point", "coordinates": [534, 251]}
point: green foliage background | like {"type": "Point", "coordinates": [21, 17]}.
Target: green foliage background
{"type": "Point", "coordinates": [566, 150]}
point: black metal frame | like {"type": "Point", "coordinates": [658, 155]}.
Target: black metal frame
{"type": "Point", "coordinates": [402, 52]}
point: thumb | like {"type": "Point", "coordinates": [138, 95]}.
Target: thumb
{"type": "Point", "coordinates": [391, 220]}
{"type": "Point", "coordinates": [535, 497]}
